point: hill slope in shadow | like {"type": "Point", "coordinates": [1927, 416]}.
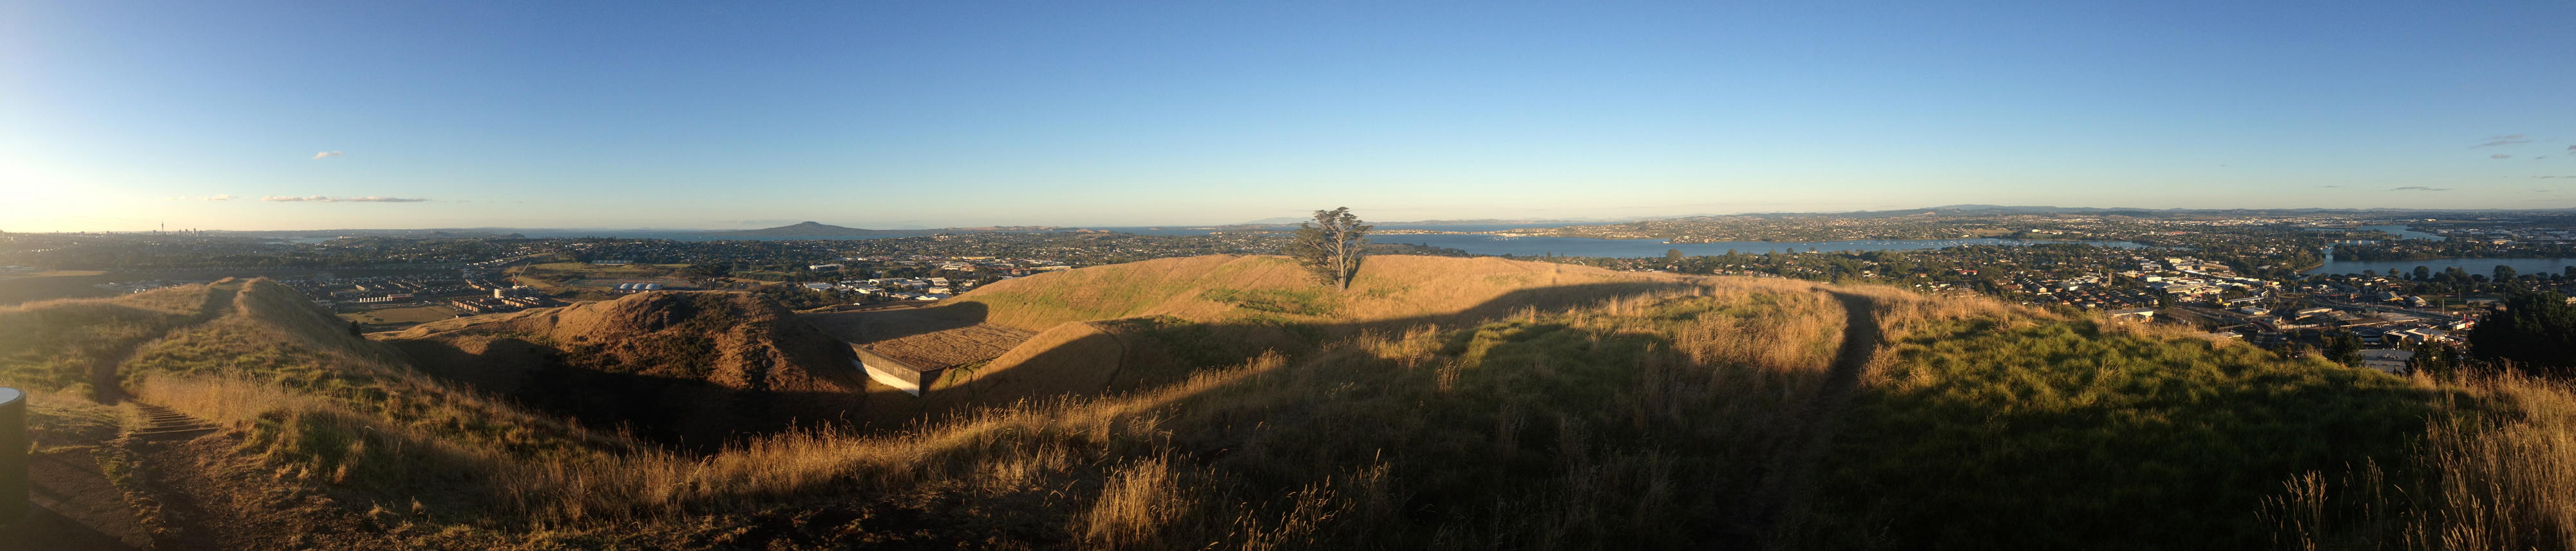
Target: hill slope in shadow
{"type": "Point", "coordinates": [1117, 328]}
{"type": "Point", "coordinates": [678, 367]}
{"type": "Point", "coordinates": [1535, 407]}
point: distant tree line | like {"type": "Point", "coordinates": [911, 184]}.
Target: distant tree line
{"type": "Point", "coordinates": [2531, 331]}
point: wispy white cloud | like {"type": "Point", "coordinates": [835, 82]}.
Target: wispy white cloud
{"type": "Point", "coordinates": [204, 198]}
{"type": "Point", "coordinates": [2419, 188]}
{"type": "Point", "coordinates": [327, 199]}
{"type": "Point", "coordinates": [2499, 156]}
{"type": "Point", "coordinates": [2507, 139]}
{"type": "Point", "coordinates": [327, 155]}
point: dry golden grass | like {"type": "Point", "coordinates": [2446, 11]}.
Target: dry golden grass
{"type": "Point", "coordinates": [998, 449]}
{"type": "Point", "coordinates": [1197, 289]}
{"type": "Point", "coordinates": [328, 407]}
{"type": "Point", "coordinates": [2497, 470]}
{"type": "Point", "coordinates": [1905, 314]}
{"type": "Point", "coordinates": [230, 400]}
{"type": "Point", "coordinates": [70, 346]}
{"type": "Point", "coordinates": [1112, 471]}
{"type": "Point", "coordinates": [1134, 469]}
{"type": "Point", "coordinates": [1111, 328]}
{"type": "Point", "coordinates": [1134, 506]}
{"type": "Point", "coordinates": [56, 420]}
{"type": "Point", "coordinates": [1440, 404]}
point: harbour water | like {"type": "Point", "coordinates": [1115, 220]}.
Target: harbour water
{"type": "Point", "coordinates": [2405, 232]}
{"type": "Point", "coordinates": [2402, 232]}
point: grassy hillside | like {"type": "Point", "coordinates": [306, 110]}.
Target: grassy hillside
{"type": "Point", "coordinates": [1467, 426]}
{"type": "Point", "coordinates": [1219, 288]}
{"type": "Point", "coordinates": [314, 397]}
{"type": "Point", "coordinates": [2496, 469]}
{"type": "Point", "coordinates": [1466, 404]}
{"type": "Point", "coordinates": [72, 345]}
{"type": "Point", "coordinates": [1116, 328]}
{"type": "Point", "coordinates": [683, 368]}
{"type": "Point", "coordinates": [316, 410]}
{"type": "Point", "coordinates": [2071, 433]}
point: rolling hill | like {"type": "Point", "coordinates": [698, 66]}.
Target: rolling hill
{"type": "Point", "coordinates": [695, 367]}
{"type": "Point", "coordinates": [1117, 328]}
{"type": "Point", "coordinates": [1223, 402]}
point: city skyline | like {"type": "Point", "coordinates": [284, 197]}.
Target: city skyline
{"type": "Point", "coordinates": [276, 116]}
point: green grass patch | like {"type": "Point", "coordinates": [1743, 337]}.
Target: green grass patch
{"type": "Point", "coordinates": [60, 422]}
{"type": "Point", "coordinates": [2065, 435]}
{"type": "Point", "coordinates": [1306, 302]}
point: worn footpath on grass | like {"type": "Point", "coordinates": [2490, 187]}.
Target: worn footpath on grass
{"type": "Point", "coordinates": [1788, 479]}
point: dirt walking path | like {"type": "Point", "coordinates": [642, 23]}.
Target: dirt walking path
{"type": "Point", "coordinates": [1788, 480]}
{"type": "Point", "coordinates": [105, 380]}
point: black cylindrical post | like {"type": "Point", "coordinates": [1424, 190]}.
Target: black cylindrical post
{"type": "Point", "coordinates": [13, 455]}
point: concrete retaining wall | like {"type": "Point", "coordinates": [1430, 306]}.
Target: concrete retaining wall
{"type": "Point", "coordinates": [896, 373]}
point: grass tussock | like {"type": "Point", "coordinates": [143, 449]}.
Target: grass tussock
{"type": "Point", "coordinates": [1488, 422]}
{"type": "Point", "coordinates": [330, 409]}
{"type": "Point", "coordinates": [1983, 431]}
{"type": "Point", "coordinates": [2496, 470]}
{"type": "Point", "coordinates": [72, 346]}
{"type": "Point", "coordinates": [56, 421]}
{"type": "Point", "coordinates": [1482, 436]}
{"type": "Point", "coordinates": [1904, 315]}
{"type": "Point", "coordinates": [1137, 504]}
{"type": "Point", "coordinates": [1272, 289]}
{"type": "Point", "coordinates": [1471, 404]}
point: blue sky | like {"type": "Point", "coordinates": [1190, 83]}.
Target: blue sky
{"type": "Point", "coordinates": [118, 115]}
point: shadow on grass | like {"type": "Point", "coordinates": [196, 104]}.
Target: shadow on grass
{"type": "Point", "coordinates": [1122, 355]}
{"type": "Point", "coordinates": [1509, 434]}
{"type": "Point", "coordinates": [681, 414]}
{"type": "Point", "coordinates": [2066, 436]}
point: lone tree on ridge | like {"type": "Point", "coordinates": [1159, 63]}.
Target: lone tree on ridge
{"type": "Point", "coordinates": [1330, 246]}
